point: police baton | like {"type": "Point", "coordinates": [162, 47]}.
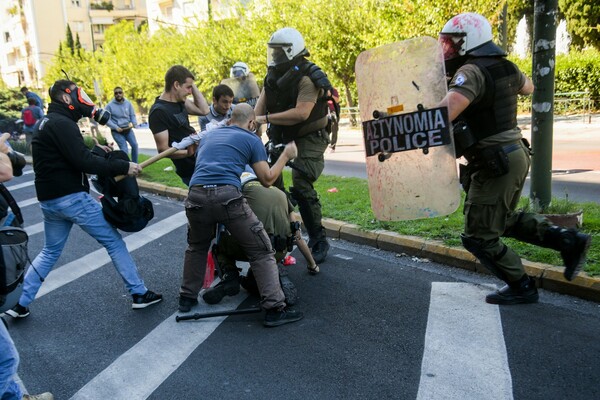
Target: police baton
{"type": "Point", "coordinates": [217, 314]}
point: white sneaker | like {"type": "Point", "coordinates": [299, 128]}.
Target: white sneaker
{"type": "Point", "coordinates": [43, 396]}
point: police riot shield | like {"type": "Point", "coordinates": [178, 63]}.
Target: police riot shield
{"type": "Point", "coordinates": [245, 90]}
{"type": "Point", "coordinates": [411, 167]}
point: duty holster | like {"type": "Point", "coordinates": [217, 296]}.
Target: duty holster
{"type": "Point", "coordinates": [464, 139]}
{"type": "Point", "coordinates": [490, 162]}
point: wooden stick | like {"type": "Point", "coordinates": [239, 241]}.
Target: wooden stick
{"type": "Point", "coordinates": [151, 160]}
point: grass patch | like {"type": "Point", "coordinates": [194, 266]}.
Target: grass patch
{"type": "Point", "coordinates": [162, 171]}
{"type": "Point", "coordinates": [352, 204]}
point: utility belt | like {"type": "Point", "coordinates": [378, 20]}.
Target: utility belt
{"type": "Point", "coordinates": [491, 162]}
{"type": "Point", "coordinates": [124, 131]}
{"type": "Point", "coordinates": [280, 243]}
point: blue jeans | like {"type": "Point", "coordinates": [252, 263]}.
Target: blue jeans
{"type": "Point", "coordinates": [9, 363]}
{"type": "Point", "coordinates": [122, 139]}
{"type": "Point", "coordinates": [59, 216]}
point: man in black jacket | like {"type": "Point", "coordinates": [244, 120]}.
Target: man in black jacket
{"type": "Point", "coordinates": [61, 161]}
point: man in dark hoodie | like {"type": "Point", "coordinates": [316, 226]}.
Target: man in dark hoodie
{"type": "Point", "coordinates": [61, 161]}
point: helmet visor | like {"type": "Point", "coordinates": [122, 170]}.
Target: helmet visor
{"type": "Point", "coordinates": [276, 54]}
{"type": "Point", "coordinates": [83, 98]}
{"type": "Point", "coordinates": [237, 72]}
{"type": "Point", "coordinates": [452, 44]}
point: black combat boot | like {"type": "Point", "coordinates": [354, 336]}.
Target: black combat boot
{"type": "Point", "coordinates": [319, 250]}
{"type": "Point", "coordinates": [520, 292]}
{"type": "Point", "coordinates": [287, 286]}
{"type": "Point", "coordinates": [248, 282]}
{"type": "Point", "coordinates": [573, 246]}
{"type": "Point", "coordinates": [228, 286]}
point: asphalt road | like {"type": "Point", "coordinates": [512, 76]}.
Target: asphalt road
{"type": "Point", "coordinates": [377, 325]}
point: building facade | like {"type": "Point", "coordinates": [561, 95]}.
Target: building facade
{"type": "Point", "coordinates": [32, 31]}
{"type": "Point", "coordinates": [183, 14]}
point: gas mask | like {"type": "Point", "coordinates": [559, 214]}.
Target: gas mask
{"type": "Point", "coordinates": [82, 106]}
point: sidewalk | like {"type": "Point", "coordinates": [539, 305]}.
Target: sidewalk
{"type": "Point", "coordinates": [576, 144]}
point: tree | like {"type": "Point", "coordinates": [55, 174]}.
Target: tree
{"type": "Point", "coordinates": [583, 22]}
{"type": "Point", "coordinates": [69, 40]}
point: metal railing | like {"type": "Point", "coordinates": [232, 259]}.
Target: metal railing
{"type": "Point", "coordinates": [565, 103]}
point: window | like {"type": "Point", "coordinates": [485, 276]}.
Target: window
{"type": "Point", "coordinates": [99, 29]}
{"type": "Point", "coordinates": [6, 37]}
{"type": "Point", "coordinates": [11, 59]}
{"type": "Point", "coordinates": [76, 3]}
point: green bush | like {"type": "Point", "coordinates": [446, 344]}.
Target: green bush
{"type": "Point", "coordinates": [19, 145]}
{"type": "Point", "coordinates": [89, 141]}
{"type": "Point", "coordinates": [11, 104]}
{"type": "Point", "coordinates": [577, 71]}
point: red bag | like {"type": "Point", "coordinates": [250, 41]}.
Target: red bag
{"type": "Point", "coordinates": [28, 117]}
{"type": "Point", "coordinates": [209, 275]}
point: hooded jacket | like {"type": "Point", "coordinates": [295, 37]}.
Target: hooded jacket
{"type": "Point", "coordinates": [61, 159]}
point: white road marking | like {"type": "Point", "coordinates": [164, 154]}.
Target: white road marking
{"type": "Point", "coordinates": [158, 353]}
{"type": "Point", "coordinates": [465, 354]}
{"type": "Point", "coordinates": [343, 257]}
{"type": "Point", "coordinates": [28, 202]}
{"type": "Point", "coordinates": [20, 185]}
{"type": "Point", "coordinates": [33, 229]}
{"type": "Point", "coordinates": [77, 268]}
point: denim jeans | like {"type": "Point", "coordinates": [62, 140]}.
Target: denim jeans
{"type": "Point", "coordinates": [123, 139]}
{"type": "Point", "coordinates": [59, 216]}
{"type": "Point", "coordinates": [205, 208]}
{"type": "Point", "coordinates": [9, 363]}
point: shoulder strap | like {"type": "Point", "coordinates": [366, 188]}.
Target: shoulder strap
{"type": "Point", "coordinates": [12, 203]}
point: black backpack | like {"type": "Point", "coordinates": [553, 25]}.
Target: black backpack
{"type": "Point", "coordinates": [14, 258]}
{"type": "Point", "coordinates": [130, 212]}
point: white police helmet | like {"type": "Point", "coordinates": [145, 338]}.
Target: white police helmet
{"type": "Point", "coordinates": [468, 34]}
{"type": "Point", "coordinates": [285, 45]}
{"type": "Point", "coordinates": [239, 70]}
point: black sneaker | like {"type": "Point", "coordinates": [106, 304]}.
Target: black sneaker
{"type": "Point", "coordinates": [186, 303]}
{"type": "Point", "coordinates": [575, 254]}
{"type": "Point", "coordinates": [523, 292]}
{"type": "Point", "coordinates": [281, 317]}
{"type": "Point", "coordinates": [228, 286]}
{"type": "Point", "coordinates": [319, 251]}
{"type": "Point", "coordinates": [18, 311]}
{"type": "Point", "coordinates": [145, 300]}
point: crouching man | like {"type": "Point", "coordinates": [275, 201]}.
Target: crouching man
{"type": "Point", "coordinates": [215, 197]}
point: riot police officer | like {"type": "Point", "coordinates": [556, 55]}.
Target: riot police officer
{"type": "Point", "coordinates": [482, 103]}
{"type": "Point", "coordinates": [294, 104]}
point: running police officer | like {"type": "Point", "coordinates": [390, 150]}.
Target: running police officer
{"type": "Point", "coordinates": [482, 103]}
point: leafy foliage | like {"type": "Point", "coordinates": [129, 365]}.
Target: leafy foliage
{"type": "Point", "coordinates": [335, 32]}
{"type": "Point", "coordinates": [576, 72]}
{"type": "Point", "coordinates": [583, 22]}
{"type": "Point", "coordinates": [11, 103]}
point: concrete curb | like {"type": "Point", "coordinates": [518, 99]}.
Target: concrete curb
{"type": "Point", "coordinates": [548, 277]}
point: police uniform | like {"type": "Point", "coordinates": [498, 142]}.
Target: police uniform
{"type": "Point", "coordinates": [311, 138]}
{"type": "Point", "coordinates": [272, 209]}
{"type": "Point", "coordinates": [500, 162]}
